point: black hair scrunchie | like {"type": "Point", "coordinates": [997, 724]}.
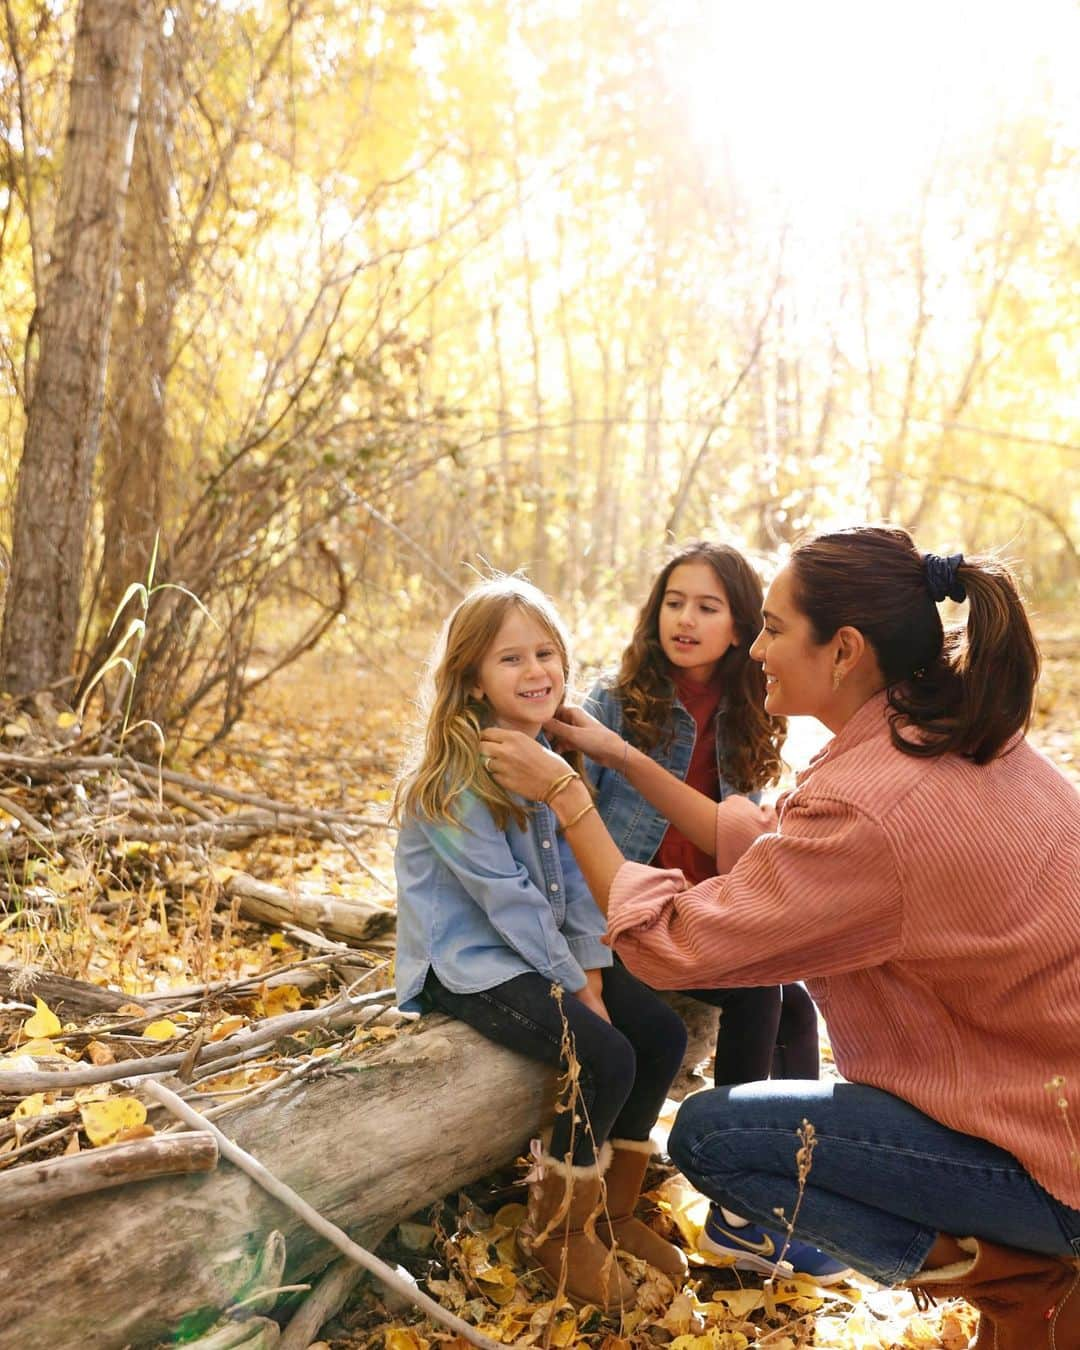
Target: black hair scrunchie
{"type": "Point", "coordinates": [941, 579]}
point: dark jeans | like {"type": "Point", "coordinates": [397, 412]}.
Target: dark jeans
{"type": "Point", "coordinates": [627, 1065]}
{"type": "Point", "coordinates": [769, 1031]}
{"type": "Point", "coordinates": [884, 1178]}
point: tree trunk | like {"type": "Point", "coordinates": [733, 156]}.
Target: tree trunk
{"type": "Point", "coordinates": [52, 501]}
{"type": "Point", "coordinates": [133, 443]}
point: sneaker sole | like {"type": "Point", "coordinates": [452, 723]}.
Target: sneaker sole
{"type": "Point", "coordinates": [742, 1260]}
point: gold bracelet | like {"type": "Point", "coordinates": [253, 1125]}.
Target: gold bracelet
{"type": "Point", "coordinates": [580, 816]}
{"type": "Point", "coordinates": [557, 786]}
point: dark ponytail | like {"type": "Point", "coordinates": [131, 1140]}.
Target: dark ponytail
{"type": "Point", "coordinates": [966, 690]}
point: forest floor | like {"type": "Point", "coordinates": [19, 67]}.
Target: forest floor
{"type": "Point", "coordinates": [331, 736]}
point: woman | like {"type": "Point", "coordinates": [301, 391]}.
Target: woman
{"type": "Point", "coordinates": [923, 877]}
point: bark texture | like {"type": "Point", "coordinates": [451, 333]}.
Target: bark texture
{"type": "Point", "coordinates": [367, 1145]}
{"type": "Point", "coordinates": [52, 502]}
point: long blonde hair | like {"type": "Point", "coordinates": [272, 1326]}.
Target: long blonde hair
{"type": "Point", "coordinates": [445, 764]}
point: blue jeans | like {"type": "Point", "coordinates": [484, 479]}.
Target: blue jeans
{"type": "Point", "coordinates": [626, 1064]}
{"type": "Point", "coordinates": [884, 1180]}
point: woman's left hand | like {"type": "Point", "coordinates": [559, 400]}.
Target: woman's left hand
{"type": "Point", "coordinates": [519, 763]}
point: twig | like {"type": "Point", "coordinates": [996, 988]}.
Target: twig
{"type": "Point", "coordinates": [29, 822]}
{"type": "Point", "coordinates": [22, 1084]}
{"type": "Point", "coordinates": [311, 1216]}
{"type": "Point", "coordinates": [321, 1304]}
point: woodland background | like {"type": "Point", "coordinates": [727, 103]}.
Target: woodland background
{"type": "Point", "coordinates": [310, 310]}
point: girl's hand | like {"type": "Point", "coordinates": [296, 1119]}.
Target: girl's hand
{"type": "Point", "coordinates": [592, 994]}
{"type": "Point", "coordinates": [520, 764]}
{"type": "Point", "coordinates": [575, 729]}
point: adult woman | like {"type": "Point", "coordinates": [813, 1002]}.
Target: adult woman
{"type": "Point", "coordinates": [922, 876]}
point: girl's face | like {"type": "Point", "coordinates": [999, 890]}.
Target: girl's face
{"type": "Point", "coordinates": [695, 624]}
{"type": "Point", "coordinates": [798, 671]}
{"type": "Point", "coordinates": [521, 674]}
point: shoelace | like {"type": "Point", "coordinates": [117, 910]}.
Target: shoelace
{"type": "Point", "coordinates": [924, 1299]}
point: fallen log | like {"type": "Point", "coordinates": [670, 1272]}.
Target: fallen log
{"type": "Point", "coordinates": [69, 999]}
{"type": "Point", "coordinates": [367, 1144]}
{"type": "Point", "coordinates": [44, 1183]}
{"type": "Point", "coordinates": [347, 920]}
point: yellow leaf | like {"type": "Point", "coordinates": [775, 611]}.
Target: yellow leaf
{"type": "Point", "coordinates": [97, 1052]}
{"type": "Point", "coordinates": [164, 1030]}
{"type": "Point", "coordinates": [42, 1023]}
{"type": "Point", "coordinates": [33, 1105]}
{"type": "Point", "coordinates": [131, 1009]}
{"type": "Point", "coordinates": [276, 942]}
{"type": "Point", "coordinates": [66, 719]}
{"type": "Point", "coordinates": [281, 999]}
{"type": "Point", "coordinates": [14, 730]}
{"type": "Point", "coordinates": [226, 1027]}
{"type": "Point", "coordinates": [40, 1046]}
{"type": "Point", "coordinates": [103, 1121]}
{"type": "Point", "coordinates": [403, 1338]}
{"type": "Point", "coordinates": [498, 1283]}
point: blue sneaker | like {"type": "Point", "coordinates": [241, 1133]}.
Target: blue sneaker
{"type": "Point", "coordinates": [757, 1248]}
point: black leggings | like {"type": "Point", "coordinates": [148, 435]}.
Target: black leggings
{"type": "Point", "coordinates": [627, 1065]}
{"type": "Point", "coordinates": [765, 1032]}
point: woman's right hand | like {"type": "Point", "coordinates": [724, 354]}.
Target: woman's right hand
{"type": "Point", "coordinates": [574, 729]}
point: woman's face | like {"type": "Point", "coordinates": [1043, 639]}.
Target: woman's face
{"type": "Point", "coordinates": [798, 671]}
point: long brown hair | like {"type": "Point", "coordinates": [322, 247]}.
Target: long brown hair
{"type": "Point", "coordinates": [446, 762]}
{"type": "Point", "coordinates": [968, 689]}
{"type": "Point", "coordinates": [750, 738]}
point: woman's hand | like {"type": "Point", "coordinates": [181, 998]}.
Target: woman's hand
{"type": "Point", "coordinates": [574, 729]}
{"type": "Point", "coordinates": [519, 763]}
{"type": "Point", "coordinates": [593, 994]}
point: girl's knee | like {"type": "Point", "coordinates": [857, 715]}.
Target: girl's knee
{"type": "Point", "coordinates": [610, 1063]}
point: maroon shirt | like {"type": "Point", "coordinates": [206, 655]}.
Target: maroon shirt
{"type": "Point", "coordinates": [701, 702]}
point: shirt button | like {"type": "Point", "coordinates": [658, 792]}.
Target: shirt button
{"type": "Point", "coordinates": [554, 886]}
{"type": "Point", "coordinates": [545, 843]}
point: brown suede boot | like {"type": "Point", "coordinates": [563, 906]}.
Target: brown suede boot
{"type": "Point", "coordinates": [565, 1205]}
{"type": "Point", "coordinates": [619, 1228]}
{"type": "Point", "coordinates": [1026, 1301]}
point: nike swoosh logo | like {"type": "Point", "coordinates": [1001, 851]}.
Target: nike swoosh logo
{"type": "Point", "coordinates": [766, 1247]}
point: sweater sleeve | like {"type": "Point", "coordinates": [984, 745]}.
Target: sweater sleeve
{"type": "Point", "coordinates": [739, 821]}
{"type": "Point", "coordinates": [819, 899]}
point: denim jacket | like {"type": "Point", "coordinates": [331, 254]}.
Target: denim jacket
{"type": "Point", "coordinates": [479, 905]}
{"type": "Point", "coordinates": [637, 827]}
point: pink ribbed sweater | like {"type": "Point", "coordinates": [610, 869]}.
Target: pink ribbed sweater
{"type": "Point", "coordinates": [932, 906]}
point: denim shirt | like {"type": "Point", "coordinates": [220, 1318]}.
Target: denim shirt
{"type": "Point", "coordinates": [637, 827]}
{"type": "Point", "coordinates": [479, 905]}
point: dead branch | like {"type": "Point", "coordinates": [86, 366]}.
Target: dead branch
{"type": "Point", "coordinates": [349, 920]}
{"type": "Point", "coordinates": [43, 1183]}
{"type": "Point", "coordinates": [20, 1084]}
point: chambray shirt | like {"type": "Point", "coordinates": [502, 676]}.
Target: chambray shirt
{"type": "Point", "coordinates": [479, 905]}
{"type": "Point", "coordinates": [637, 827]}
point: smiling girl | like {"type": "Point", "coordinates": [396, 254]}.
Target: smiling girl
{"type": "Point", "coordinates": [688, 696]}
{"type": "Point", "coordinates": [493, 914]}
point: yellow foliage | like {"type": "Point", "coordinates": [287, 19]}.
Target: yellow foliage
{"type": "Point", "coordinates": [163, 1030]}
{"type": "Point", "coordinates": [281, 999]}
{"type": "Point", "coordinates": [103, 1121]}
{"type": "Point", "coordinates": [42, 1023]}
{"type": "Point", "coordinates": [404, 1338]}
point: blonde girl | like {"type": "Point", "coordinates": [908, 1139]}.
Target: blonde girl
{"type": "Point", "coordinates": [493, 914]}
